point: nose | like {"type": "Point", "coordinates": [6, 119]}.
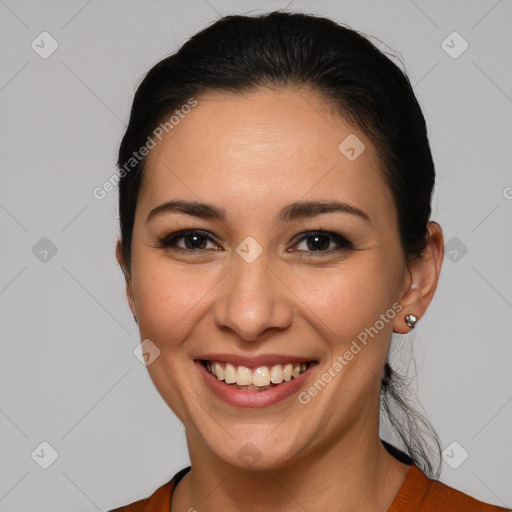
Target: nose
{"type": "Point", "coordinates": [252, 299]}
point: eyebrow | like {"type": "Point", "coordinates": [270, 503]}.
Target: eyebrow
{"type": "Point", "coordinates": [293, 211]}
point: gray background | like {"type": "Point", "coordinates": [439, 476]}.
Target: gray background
{"type": "Point", "coordinates": [68, 375]}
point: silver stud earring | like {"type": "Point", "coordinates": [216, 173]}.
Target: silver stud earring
{"type": "Point", "coordinates": [411, 320]}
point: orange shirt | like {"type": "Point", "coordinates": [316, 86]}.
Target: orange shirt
{"type": "Point", "coordinates": [417, 494]}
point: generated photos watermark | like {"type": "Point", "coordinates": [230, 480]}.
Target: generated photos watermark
{"type": "Point", "coordinates": [166, 127]}
{"type": "Point", "coordinates": [304, 397]}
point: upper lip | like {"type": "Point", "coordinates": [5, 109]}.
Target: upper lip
{"type": "Point", "coordinates": [254, 361]}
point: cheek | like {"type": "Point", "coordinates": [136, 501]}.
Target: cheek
{"type": "Point", "coordinates": [169, 301]}
{"type": "Point", "coordinates": [351, 297]}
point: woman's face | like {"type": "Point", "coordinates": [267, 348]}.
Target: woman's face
{"type": "Point", "coordinates": [247, 285]}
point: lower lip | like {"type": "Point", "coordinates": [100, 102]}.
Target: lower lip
{"type": "Point", "coordinates": [254, 399]}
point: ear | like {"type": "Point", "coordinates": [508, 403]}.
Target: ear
{"type": "Point", "coordinates": [421, 281]}
{"type": "Point", "coordinates": [129, 290]}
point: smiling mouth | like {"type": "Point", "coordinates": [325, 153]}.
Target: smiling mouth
{"type": "Point", "coordinates": [260, 378]}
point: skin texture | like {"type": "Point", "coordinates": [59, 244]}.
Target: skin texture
{"type": "Point", "coordinates": [252, 155]}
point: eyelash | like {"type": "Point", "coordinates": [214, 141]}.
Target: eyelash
{"type": "Point", "coordinates": [169, 242]}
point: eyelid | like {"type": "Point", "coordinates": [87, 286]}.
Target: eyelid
{"type": "Point", "coordinates": [170, 242]}
{"type": "Point", "coordinates": [341, 241]}
{"type": "Point", "coordinates": [324, 232]}
{"type": "Point", "coordinates": [165, 242]}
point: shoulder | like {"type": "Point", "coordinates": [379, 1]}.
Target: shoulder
{"type": "Point", "coordinates": [422, 494]}
{"type": "Point", "coordinates": [160, 500]}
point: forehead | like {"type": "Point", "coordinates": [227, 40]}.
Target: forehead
{"type": "Point", "coordinates": [264, 148]}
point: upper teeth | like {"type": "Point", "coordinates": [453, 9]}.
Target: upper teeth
{"type": "Point", "coordinates": [261, 376]}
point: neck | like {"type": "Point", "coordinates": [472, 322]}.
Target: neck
{"type": "Point", "coordinates": [355, 473]}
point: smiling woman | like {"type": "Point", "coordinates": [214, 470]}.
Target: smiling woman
{"type": "Point", "coordinates": [272, 242]}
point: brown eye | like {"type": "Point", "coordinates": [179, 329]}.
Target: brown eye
{"type": "Point", "coordinates": [322, 242]}
{"type": "Point", "coordinates": [185, 241]}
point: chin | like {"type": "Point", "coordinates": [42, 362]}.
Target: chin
{"type": "Point", "coordinates": [259, 452]}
